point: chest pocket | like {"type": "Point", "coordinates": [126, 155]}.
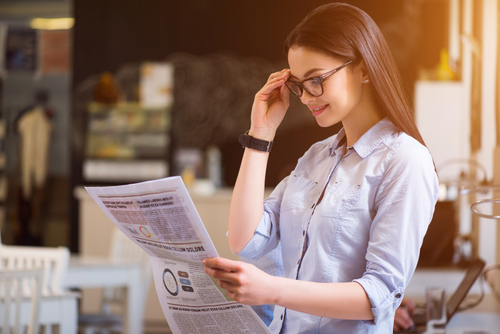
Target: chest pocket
{"type": "Point", "coordinates": [339, 198]}
{"type": "Point", "coordinates": [298, 194]}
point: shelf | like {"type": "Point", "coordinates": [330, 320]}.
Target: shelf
{"type": "Point", "coordinates": [127, 131]}
{"type": "Point", "coordinates": [124, 170]}
{"type": "Point", "coordinates": [122, 107]}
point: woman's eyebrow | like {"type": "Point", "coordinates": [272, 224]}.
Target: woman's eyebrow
{"type": "Point", "coordinates": [308, 73]}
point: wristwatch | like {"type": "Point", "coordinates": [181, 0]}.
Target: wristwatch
{"type": "Point", "coordinates": [257, 144]}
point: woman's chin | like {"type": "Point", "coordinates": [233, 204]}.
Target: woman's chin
{"type": "Point", "coordinates": [326, 123]}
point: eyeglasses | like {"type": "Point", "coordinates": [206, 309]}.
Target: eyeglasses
{"type": "Point", "coordinates": [314, 85]}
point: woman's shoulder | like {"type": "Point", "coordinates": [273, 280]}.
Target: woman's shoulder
{"type": "Point", "coordinates": [401, 142]}
{"type": "Point", "coordinates": [408, 151]}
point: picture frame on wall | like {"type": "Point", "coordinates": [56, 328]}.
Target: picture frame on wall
{"type": "Point", "coordinates": [21, 49]}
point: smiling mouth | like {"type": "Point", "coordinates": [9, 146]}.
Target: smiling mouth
{"type": "Point", "coordinates": [318, 110]}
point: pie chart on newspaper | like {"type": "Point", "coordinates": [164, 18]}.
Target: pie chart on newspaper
{"type": "Point", "coordinates": [145, 231]}
{"type": "Point", "coordinates": [170, 282]}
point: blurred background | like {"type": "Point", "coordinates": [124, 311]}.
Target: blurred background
{"type": "Point", "coordinates": [59, 67]}
{"type": "Point", "coordinates": [109, 92]}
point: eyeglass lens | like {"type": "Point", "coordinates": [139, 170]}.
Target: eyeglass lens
{"type": "Point", "coordinates": [313, 87]}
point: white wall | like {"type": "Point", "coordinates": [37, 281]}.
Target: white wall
{"type": "Point", "coordinates": [443, 116]}
{"type": "Point", "coordinates": [488, 226]}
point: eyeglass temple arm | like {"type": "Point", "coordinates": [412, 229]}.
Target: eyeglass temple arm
{"type": "Point", "coordinates": [332, 72]}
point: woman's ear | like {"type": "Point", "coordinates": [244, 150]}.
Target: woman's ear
{"type": "Point", "coordinates": [363, 72]}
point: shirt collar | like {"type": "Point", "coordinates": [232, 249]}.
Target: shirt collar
{"type": "Point", "coordinates": [338, 142]}
{"type": "Point", "coordinates": [369, 141]}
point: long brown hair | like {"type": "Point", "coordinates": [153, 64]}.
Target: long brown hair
{"type": "Point", "coordinates": [347, 33]}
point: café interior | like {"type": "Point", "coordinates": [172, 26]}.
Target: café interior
{"type": "Point", "coordinates": [101, 93]}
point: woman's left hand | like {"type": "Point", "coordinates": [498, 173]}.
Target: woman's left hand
{"type": "Point", "coordinates": [402, 318]}
{"type": "Point", "coordinates": [243, 282]}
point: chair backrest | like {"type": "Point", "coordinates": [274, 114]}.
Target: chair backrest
{"type": "Point", "coordinates": [15, 287]}
{"type": "Point", "coordinates": [124, 249]}
{"type": "Point", "coordinates": [53, 261]}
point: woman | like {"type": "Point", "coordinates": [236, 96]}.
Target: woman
{"type": "Point", "coordinates": [352, 215]}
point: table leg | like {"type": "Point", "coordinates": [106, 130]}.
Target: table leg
{"type": "Point", "coordinates": [69, 311]}
{"type": "Point", "coordinates": [135, 304]}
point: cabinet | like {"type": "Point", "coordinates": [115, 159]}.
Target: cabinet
{"type": "Point", "coordinates": [126, 142]}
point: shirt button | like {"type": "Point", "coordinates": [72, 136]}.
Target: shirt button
{"type": "Point", "coordinates": [304, 232]}
{"type": "Point", "coordinates": [281, 317]}
{"type": "Point", "coordinates": [398, 295]}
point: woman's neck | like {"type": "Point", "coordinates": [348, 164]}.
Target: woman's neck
{"type": "Point", "coordinates": [366, 115]}
{"type": "Point", "coordinates": [356, 127]}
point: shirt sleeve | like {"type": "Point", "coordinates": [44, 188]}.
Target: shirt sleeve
{"type": "Point", "coordinates": [404, 204]}
{"type": "Point", "coordinates": [266, 237]}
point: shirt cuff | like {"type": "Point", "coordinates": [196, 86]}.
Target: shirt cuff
{"type": "Point", "coordinates": [254, 249]}
{"type": "Point", "coordinates": [384, 302]}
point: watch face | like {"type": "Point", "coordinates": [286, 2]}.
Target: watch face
{"type": "Point", "coordinates": [170, 282]}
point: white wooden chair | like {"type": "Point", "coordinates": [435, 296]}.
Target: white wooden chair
{"type": "Point", "coordinates": [58, 307]}
{"type": "Point", "coordinates": [20, 296]}
{"type": "Point", "coordinates": [114, 299]}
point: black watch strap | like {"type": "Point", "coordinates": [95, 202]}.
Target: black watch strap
{"type": "Point", "coordinates": [257, 144]}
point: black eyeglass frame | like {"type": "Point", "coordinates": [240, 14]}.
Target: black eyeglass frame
{"type": "Point", "coordinates": [321, 78]}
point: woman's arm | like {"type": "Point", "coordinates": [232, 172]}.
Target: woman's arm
{"type": "Point", "coordinates": [246, 209]}
{"type": "Point", "coordinates": [247, 206]}
{"type": "Point", "coordinates": [249, 285]}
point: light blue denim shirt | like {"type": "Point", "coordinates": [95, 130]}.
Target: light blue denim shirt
{"type": "Point", "coordinates": [368, 228]}
{"type": "Point", "coordinates": [272, 264]}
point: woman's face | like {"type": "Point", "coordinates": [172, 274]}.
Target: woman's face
{"type": "Point", "coordinates": [342, 97]}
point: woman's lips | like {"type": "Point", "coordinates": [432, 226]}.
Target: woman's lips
{"type": "Point", "coordinates": [318, 110]}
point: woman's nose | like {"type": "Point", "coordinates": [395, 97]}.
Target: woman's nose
{"type": "Point", "coordinates": [306, 97]}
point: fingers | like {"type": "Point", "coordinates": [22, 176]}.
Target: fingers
{"type": "Point", "coordinates": [222, 275]}
{"type": "Point", "coordinates": [402, 319]}
{"type": "Point", "coordinates": [409, 304]}
{"type": "Point", "coordinates": [224, 270]}
{"type": "Point", "coordinates": [222, 263]}
{"type": "Point", "coordinates": [284, 94]}
{"type": "Point", "coordinates": [227, 286]}
{"type": "Point", "coordinates": [278, 74]}
{"type": "Point", "coordinates": [275, 81]}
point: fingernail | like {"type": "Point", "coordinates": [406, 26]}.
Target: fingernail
{"type": "Point", "coordinates": [204, 261]}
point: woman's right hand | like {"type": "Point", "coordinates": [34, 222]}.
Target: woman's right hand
{"type": "Point", "coordinates": [269, 106]}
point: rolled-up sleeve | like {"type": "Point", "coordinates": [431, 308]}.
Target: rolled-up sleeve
{"type": "Point", "coordinates": [266, 236]}
{"type": "Point", "coordinates": [404, 204]}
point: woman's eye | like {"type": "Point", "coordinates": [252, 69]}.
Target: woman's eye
{"type": "Point", "coordinates": [316, 81]}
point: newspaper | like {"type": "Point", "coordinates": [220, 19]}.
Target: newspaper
{"type": "Point", "coordinates": [161, 218]}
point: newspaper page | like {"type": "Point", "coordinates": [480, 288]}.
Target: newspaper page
{"type": "Point", "coordinates": [161, 218]}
